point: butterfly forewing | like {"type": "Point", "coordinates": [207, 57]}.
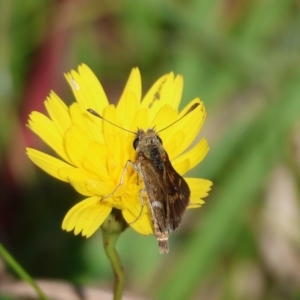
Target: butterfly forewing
{"type": "Point", "coordinates": [156, 190]}
{"type": "Point", "coordinates": [156, 194]}
{"type": "Point", "coordinates": [178, 193]}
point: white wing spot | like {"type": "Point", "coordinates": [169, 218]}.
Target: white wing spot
{"type": "Point", "coordinates": [156, 204]}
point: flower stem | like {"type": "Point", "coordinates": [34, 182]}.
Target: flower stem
{"type": "Point", "coordinates": [112, 227]}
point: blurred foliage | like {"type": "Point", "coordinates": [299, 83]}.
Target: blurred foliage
{"type": "Point", "coordinates": [21, 272]}
{"type": "Point", "coordinates": [241, 57]}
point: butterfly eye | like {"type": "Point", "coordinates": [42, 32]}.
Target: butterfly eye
{"type": "Point", "coordinates": [135, 143]}
{"type": "Point", "coordinates": [159, 139]}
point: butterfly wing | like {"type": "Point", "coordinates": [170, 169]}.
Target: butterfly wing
{"type": "Point", "coordinates": [178, 193]}
{"type": "Point", "coordinates": [155, 186]}
{"type": "Point", "coordinates": [156, 189]}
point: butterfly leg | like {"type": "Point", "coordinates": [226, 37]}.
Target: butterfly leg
{"type": "Point", "coordinates": [129, 162]}
{"type": "Point", "coordinates": [142, 191]}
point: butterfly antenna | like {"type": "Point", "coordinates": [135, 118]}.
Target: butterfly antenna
{"type": "Point", "coordinates": [93, 112]}
{"type": "Point", "coordinates": [194, 106]}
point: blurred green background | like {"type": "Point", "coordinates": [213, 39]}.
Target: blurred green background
{"type": "Point", "coordinates": [243, 59]}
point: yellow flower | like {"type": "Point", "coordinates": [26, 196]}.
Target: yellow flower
{"type": "Point", "coordinates": [93, 152]}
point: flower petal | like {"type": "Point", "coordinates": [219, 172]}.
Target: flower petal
{"type": "Point", "coordinates": [127, 108]}
{"type": "Point", "coordinates": [49, 164]}
{"type": "Point", "coordinates": [89, 123]}
{"type": "Point", "coordinates": [165, 91]}
{"type": "Point", "coordinates": [76, 144]}
{"type": "Point", "coordinates": [101, 188]}
{"type": "Point", "coordinates": [164, 117]}
{"type": "Point", "coordinates": [47, 131]}
{"type": "Point", "coordinates": [133, 85]}
{"type": "Point", "coordinates": [79, 179]}
{"type": "Point", "coordinates": [94, 160]}
{"type": "Point", "coordinates": [110, 132]}
{"type": "Point", "coordinates": [172, 142]}
{"type": "Point", "coordinates": [141, 120]}
{"type": "Point", "coordinates": [153, 94]}
{"type": "Point", "coordinates": [177, 92]}
{"type": "Point", "coordinates": [190, 124]}
{"type": "Point", "coordinates": [87, 89]}
{"type": "Point", "coordinates": [86, 216]}
{"type": "Point", "coordinates": [162, 96]}
{"type": "Point", "coordinates": [194, 155]}
{"type": "Point", "coordinates": [58, 112]}
{"type": "Point", "coordinates": [199, 189]}
{"type": "Point", "coordinates": [139, 221]}
{"type": "Point", "coordinates": [181, 166]}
